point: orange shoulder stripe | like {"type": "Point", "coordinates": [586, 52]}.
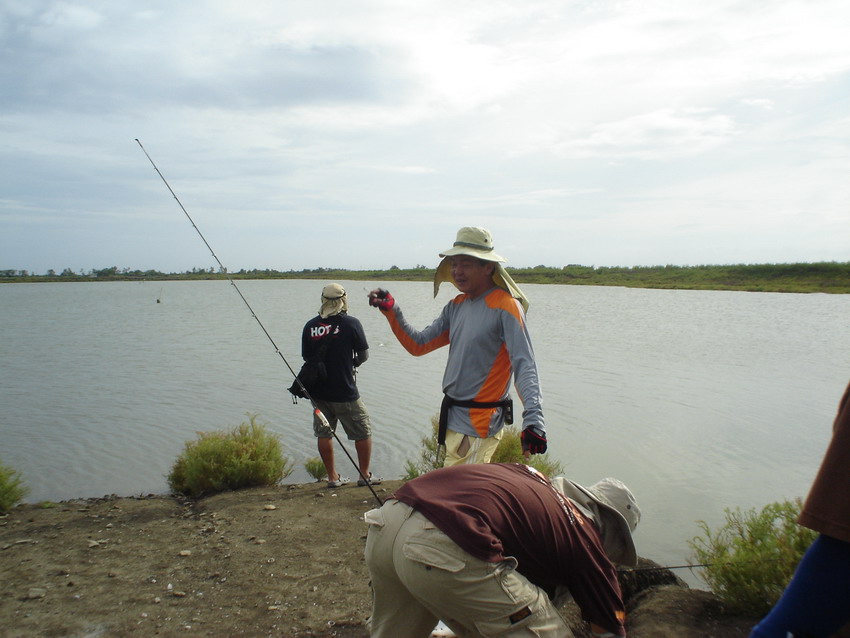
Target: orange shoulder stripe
{"type": "Point", "coordinates": [416, 349]}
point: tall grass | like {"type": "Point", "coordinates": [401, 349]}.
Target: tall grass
{"type": "Point", "coordinates": [752, 557]}
{"type": "Point", "coordinates": [12, 488]}
{"type": "Point", "coordinates": [316, 468]}
{"type": "Point", "coordinates": [245, 456]}
{"type": "Point", "coordinates": [510, 451]}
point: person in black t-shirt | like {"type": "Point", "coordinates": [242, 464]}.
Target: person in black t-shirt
{"type": "Point", "coordinates": [342, 342]}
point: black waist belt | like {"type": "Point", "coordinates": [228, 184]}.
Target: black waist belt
{"type": "Point", "coordinates": [448, 402]}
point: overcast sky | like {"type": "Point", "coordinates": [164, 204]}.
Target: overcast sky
{"type": "Point", "coordinates": [363, 133]}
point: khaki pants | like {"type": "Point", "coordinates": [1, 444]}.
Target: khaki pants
{"type": "Point", "coordinates": [464, 449]}
{"type": "Point", "coordinates": [419, 576]}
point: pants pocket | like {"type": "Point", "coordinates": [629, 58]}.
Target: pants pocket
{"type": "Point", "coordinates": [374, 517]}
{"type": "Point", "coordinates": [433, 557]}
{"type": "Point", "coordinates": [530, 610]}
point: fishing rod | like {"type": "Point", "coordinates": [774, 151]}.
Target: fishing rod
{"type": "Point", "coordinates": [316, 410]}
{"type": "Point", "coordinates": [629, 570]}
{"type": "Point", "coordinates": [632, 570]}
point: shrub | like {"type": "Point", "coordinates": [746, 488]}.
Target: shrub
{"type": "Point", "coordinates": [12, 489]}
{"type": "Point", "coordinates": [751, 559]}
{"type": "Point", "coordinates": [429, 456]}
{"type": "Point", "coordinates": [509, 450]}
{"type": "Point", "coordinates": [316, 468]}
{"type": "Point", "coordinates": [246, 456]}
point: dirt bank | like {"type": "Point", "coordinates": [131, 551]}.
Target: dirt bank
{"type": "Point", "coordinates": [283, 561]}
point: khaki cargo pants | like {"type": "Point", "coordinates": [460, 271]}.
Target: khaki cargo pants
{"type": "Point", "coordinates": [420, 576]}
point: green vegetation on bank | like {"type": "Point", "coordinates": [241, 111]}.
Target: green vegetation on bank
{"type": "Point", "coordinates": [750, 559]}
{"type": "Point", "coordinates": [246, 456]}
{"type": "Point", "coordinates": [509, 450]}
{"type": "Point", "coordinates": [12, 489]}
{"type": "Point", "coordinates": [829, 277]}
{"type": "Point", "coordinates": [747, 562]}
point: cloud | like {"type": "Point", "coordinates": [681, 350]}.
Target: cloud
{"type": "Point", "coordinates": [662, 134]}
{"type": "Point", "coordinates": [595, 121]}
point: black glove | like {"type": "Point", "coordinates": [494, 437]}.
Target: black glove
{"type": "Point", "coordinates": [382, 299]}
{"type": "Point", "coordinates": [533, 440]}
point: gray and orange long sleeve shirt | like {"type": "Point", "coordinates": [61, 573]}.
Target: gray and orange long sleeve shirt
{"type": "Point", "coordinates": [489, 345]}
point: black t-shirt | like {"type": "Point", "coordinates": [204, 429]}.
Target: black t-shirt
{"type": "Point", "coordinates": [344, 336]}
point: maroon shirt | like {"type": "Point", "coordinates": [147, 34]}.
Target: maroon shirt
{"type": "Point", "coordinates": [827, 507]}
{"type": "Point", "coordinates": [497, 510]}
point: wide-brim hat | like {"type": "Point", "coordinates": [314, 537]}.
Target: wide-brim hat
{"type": "Point", "coordinates": [334, 301]}
{"type": "Point", "coordinates": [620, 512]}
{"type": "Point", "coordinates": [475, 242]}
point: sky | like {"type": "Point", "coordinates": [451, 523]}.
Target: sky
{"type": "Point", "coordinates": [363, 134]}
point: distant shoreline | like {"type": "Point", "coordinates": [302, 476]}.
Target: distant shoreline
{"type": "Point", "coordinates": [823, 277]}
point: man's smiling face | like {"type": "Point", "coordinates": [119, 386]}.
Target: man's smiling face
{"type": "Point", "coordinates": [472, 275]}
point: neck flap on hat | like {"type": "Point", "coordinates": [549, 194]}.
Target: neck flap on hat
{"type": "Point", "coordinates": [334, 301]}
{"type": "Point", "coordinates": [500, 277]}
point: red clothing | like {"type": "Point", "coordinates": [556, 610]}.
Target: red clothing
{"type": "Point", "coordinates": [495, 510]}
{"type": "Point", "coordinates": [827, 508]}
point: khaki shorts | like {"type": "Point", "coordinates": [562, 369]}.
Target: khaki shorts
{"type": "Point", "coordinates": [352, 415]}
{"type": "Point", "coordinates": [464, 449]}
{"type": "Point", "coordinates": [419, 576]}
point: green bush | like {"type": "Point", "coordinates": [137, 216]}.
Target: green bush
{"type": "Point", "coordinates": [509, 450]}
{"type": "Point", "coordinates": [12, 489]}
{"type": "Point", "coordinates": [246, 456]}
{"type": "Point", "coordinates": [751, 559]}
{"type": "Point", "coordinates": [429, 457]}
{"type": "Point", "coordinates": [316, 468]}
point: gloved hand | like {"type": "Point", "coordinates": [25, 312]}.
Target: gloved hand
{"type": "Point", "coordinates": [382, 299]}
{"type": "Point", "coordinates": [533, 440]}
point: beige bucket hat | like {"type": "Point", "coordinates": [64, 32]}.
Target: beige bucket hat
{"type": "Point", "coordinates": [618, 510]}
{"type": "Point", "coordinates": [334, 301]}
{"type": "Point", "coordinates": [477, 242]}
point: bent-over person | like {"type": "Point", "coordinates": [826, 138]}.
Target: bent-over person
{"type": "Point", "coordinates": [485, 548]}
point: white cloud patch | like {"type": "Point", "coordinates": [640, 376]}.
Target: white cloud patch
{"type": "Point", "coordinates": [663, 134]}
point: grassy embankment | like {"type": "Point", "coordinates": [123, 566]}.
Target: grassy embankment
{"type": "Point", "coordinates": [828, 277]}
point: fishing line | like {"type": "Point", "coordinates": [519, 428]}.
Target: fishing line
{"type": "Point", "coordinates": [222, 269]}
{"type": "Point", "coordinates": [632, 570]}
{"type": "Point", "coordinates": [629, 570]}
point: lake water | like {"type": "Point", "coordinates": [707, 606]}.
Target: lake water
{"type": "Point", "coordinates": [698, 400]}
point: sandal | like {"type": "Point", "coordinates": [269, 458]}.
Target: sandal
{"type": "Point", "coordinates": [372, 480]}
{"type": "Point", "coordinates": [339, 482]}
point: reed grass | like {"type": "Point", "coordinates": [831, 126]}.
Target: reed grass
{"type": "Point", "coordinates": [752, 557]}
{"type": "Point", "coordinates": [246, 456]}
{"type": "Point", "coordinates": [316, 468]}
{"type": "Point", "coordinates": [509, 450]}
{"type": "Point", "coordinates": [12, 488]}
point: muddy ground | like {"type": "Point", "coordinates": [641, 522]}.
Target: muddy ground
{"type": "Point", "coordinates": [282, 561]}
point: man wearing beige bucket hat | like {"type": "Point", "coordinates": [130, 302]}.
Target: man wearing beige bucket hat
{"type": "Point", "coordinates": [489, 550]}
{"type": "Point", "coordinates": [489, 345]}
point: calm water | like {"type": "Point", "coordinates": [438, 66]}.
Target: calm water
{"type": "Point", "coordinates": [697, 400]}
